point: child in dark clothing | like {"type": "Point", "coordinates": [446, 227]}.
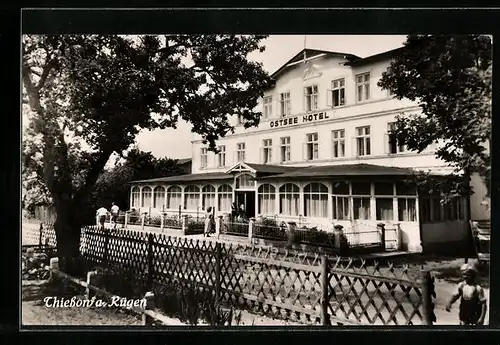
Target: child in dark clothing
{"type": "Point", "coordinates": [472, 300]}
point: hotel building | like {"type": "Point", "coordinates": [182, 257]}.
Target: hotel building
{"type": "Point", "coordinates": [323, 154]}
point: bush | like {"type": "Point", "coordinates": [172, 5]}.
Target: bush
{"type": "Point", "coordinates": [269, 228]}
{"type": "Point", "coordinates": [191, 304]}
{"type": "Point", "coordinates": [315, 236]}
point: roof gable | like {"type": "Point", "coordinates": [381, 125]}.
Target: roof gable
{"type": "Point", "coordinates": [309, 54]}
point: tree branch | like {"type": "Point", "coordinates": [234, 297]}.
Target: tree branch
{"type": "Point", "coordinates": [46, 71]}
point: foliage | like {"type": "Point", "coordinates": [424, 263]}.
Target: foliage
{"type": "Point", "coordinates": [269, 228]}
{"type": "Point", "coordinates": [90, 95]}
{"type": "Point", "coordinates": [172, 222]}
{"type": "Point", "coordinates": [451, 79]}
{"type": "Point", "coordinates": [314, 236]}
{"type": "Point", "coordinates": [191, 304]}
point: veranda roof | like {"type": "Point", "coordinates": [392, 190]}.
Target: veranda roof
{"type": "Point", "coordinates": [188, 178]}
{"type": "Point", "coordinates": [344, 170]}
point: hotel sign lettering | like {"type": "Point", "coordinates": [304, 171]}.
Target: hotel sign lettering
{"type": "Point", "coordinates": [299, 119]}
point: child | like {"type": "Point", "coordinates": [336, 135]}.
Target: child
{"type": "Point", "coordinates": [472, 300]}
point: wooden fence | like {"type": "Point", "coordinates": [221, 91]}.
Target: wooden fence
{"type": "Point", "coordinates": [289, 285]}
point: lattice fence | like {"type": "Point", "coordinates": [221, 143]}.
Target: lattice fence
{"type": "Point", "coordinates": [234, 228]}
{"type": "Point", "coordinates": [285, 284]}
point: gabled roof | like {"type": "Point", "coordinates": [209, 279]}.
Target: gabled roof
{"type": "Point", "coordinates": [373, 58]}
{"type": "Point", "coordinates": [261, 168]}
{"type": "Point", "coordinates": [344, 170]}
{"type": "Point", "coordinates": [311, 53]}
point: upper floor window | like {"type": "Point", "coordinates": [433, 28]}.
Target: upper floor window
{"type": "Point", "coordinates": [285, 149]}
{"type": "Point", "coordinates": [395, 145]}
{"type": "Point", "coordinates": [268, 107]}
{"type": "Point", "coordinates": [240, 152]}
{"type": "Point", "coordinates": [221, 156]}
{"type": "Point", "coordinates": [363, 87]}
{"type": "Point", "coordinates": [203, 158]}
{"type": "Point", "coordinates": [338, 143]}
{"type": "Point", "coordinates": [285, 108]}
{"type": "Point", "coordinates": [338, 92]}
{"type": "Point", "coordinates": [363, 140]}
{"type": "Point", "coordinates": [312, 146]}
{"type": "Point", "coordinates": [311, 97]}
{"type": "Point", "coordinates": [267, 151]}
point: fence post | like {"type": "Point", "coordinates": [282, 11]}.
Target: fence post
{"type": "Point", "coordinates": [54, 265]}
{"type": "Point", "coordinates": [428, 316]}
{"type": "Point", "coordinates": [143, 217]}
{"type": "Point", "coordinates": [126, 219]}
{"type": "Point", "coordinates": [162, 221]}
{"type": "Point", "coordinates": [325, 321]}
{"type": "Point", "coordinates": [149, 297]}
{"type": "Point", "coordinates": [180, 211]}
{"type": "Point", "coordinates": [91, 275]}
{"type": "Point", "coordinates": [381, 229]}
{"type": "Point", "coordinates": [250, 229]}
{"type": "Point", "coordinates": [40, 236]}
{"type": "Point", "coordinates": [218, 258]}
{"type": "Point", "coordinates": [184, 224]}
{"type": "Point", "coordinates": [150, 261]}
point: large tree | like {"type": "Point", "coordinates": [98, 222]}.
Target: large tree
{"type": "Point", "coordinates": [450, 78]}
{"type": "Point", "coordinates": [89, 95]}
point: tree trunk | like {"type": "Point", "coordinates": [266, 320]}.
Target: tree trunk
{"type": "Point", "coordinates": [67, 227]}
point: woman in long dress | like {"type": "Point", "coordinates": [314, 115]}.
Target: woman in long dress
{"type": "Point", "coordinates": [209, 219]}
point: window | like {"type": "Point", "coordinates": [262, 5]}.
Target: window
{"type": "Point", "coordinates": [363, 140]}
{"type": "Point", "coordinates": [285, 149]}
{"type": "Point", "coordinates": [285, 104]}
{"type": "Point", "coordinates": [384, 209]}
{"type": "Point", "coordinates": [159, 197]}
{"type": "Point", "coordinates": [174, 197]}
{"type": "Point", "coordinates": [361, 192]}
{"type": "Point", "coordinates": [338, 143]}
{"type": "Point", "coordinates": [191, 197]}
{"type": "Point", "coordinates": [338, 92]}
{"type": "Point", "coordinates": [245, 181]}
{"type": "Point", "coordinates": [453, 210]}
{"type": "Point", "coordinates": [146, 197]}
{"type": "Point", "coordinates": [341, 205]}
{"type": "Point", "coordinates": [289, 199]}
{"type": "Point", "coordinates": [311, 97]}
{"type": "Point", "coordinates": [315, 200]}
{"type": "Point", "coordinates": [268, 107]}
{"type": "Point", "coordinates": [407, 210]}
{"type": "Point", "coordinates": [395, 145]}
{"type": "Point", "coordinates": [203, 158]}
{"type": "Point", "coordinates": [267, 198]}
{"type": "Point", "coordinates": [221, 156]}
{"type": "Point", "coordinates": [240, 152]}
{"type": "Point", "coordinates": [267, 150]}
{"type": "Point", "coordinates": [312, 146]}
{"type": "Point", "coordinates": [225, 197]}
{"type": "Point", "coordinates": [363, 87]}
{"type": "Point", "coordinates": [207, 197]}
{"type": "Point", "coordinates": [136, 196]}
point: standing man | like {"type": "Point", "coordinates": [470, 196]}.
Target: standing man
{"type": "Point", "coordinates": [101, 215]}
{"type": "Point", "coordinates": [115, 210]}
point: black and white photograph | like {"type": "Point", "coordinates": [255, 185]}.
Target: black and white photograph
{"type": "Point", "coordinates": [233, 180]}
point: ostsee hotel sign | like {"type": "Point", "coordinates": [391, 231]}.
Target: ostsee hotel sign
{"type": "Point", "coordinates": [299, 119]}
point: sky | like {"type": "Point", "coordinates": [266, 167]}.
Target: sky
{"type": "Point", "coordinates": [176, 143]}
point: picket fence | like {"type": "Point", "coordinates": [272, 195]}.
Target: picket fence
{"type": "Point", "coordinates": [288, 284]}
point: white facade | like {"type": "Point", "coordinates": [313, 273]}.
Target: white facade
{"type": "Point", "coordinates": [335, 115]}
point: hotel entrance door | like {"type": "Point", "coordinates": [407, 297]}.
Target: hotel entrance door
{"type": "Point", "coordinates": [246, 198]}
